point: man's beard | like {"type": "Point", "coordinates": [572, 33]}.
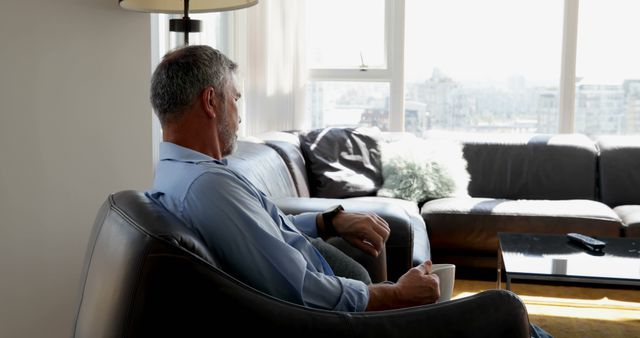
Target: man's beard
{"type": "Point", "coordinates": [230, 147]}
{"type": "Point", "coordinates": [228, 136]}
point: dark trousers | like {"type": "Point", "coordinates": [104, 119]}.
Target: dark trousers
{"type": "Point", "coordinates": [341, 264]}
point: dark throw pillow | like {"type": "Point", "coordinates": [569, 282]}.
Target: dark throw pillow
{"type": "Point", "coordinates": [342, 162]}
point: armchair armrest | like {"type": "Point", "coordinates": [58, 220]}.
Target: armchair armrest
{"type": "Point", "coordinates": [399, 246]}
{"type": "Point", "coordinates": [190, 313]}
{"type": "Point", "coordinates": [492, 313]}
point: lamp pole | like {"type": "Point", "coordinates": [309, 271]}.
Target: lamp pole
{"type": "Point", "coordinates": [185, 24]}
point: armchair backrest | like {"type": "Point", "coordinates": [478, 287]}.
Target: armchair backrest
{"type": "Point", "coordinates": [131, 233]}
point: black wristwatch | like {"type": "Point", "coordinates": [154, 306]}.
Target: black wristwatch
{"type": "Point", "coordinates": [328, 216]}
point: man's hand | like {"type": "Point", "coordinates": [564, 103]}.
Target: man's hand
{"type": "Point", "coordinates": [416, 287]}
{"type": "Point", "coordinates": [367, 232]}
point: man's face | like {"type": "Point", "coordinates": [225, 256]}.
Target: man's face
{"type": "Point", "coordinates": [229, 120]}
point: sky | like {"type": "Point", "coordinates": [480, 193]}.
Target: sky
{"type": "Point", "coordinates": [608, 40]}
{"type": "Point", "coordinates": [488, 40]}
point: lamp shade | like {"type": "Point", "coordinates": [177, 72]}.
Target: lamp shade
{"type": "Point", "coordinates": [177, 6]}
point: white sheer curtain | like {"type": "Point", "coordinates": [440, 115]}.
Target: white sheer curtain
{"type": "Point", "coordinates": [271, 53]}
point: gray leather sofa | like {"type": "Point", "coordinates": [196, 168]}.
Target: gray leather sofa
{"type": "Point", "coordinates": [536, 184]}
{"type": "Point", "coordinates": [540, 184]}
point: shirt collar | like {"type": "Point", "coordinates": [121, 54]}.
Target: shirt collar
{"type": "Point", "coordinates": [173, 152]}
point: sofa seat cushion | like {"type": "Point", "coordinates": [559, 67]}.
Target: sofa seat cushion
{"type": "Point", "coordinates": [473, 223]}
{"type": "Point", "coordinates": [421, 247]}
{"type": "Point", "coordinates": [630, 215]}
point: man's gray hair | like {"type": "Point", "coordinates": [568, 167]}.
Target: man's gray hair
{"type": "Point", "coordinates": [182, 76]}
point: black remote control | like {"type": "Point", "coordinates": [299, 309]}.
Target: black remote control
{"type": "Point", "coordinates": [586, 241]}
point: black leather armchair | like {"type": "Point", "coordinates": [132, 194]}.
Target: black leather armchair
{"type": "Point", "coordinates": [147, 275]}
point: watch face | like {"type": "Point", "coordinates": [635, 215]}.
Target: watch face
{"type": "Point", "coordinates": [331, 212]}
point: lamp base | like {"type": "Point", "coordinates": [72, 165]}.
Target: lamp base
{"type": "Point", "coordinates": [184, 25]}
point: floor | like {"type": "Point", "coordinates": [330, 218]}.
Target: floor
{"type": "Point", "coordinates": [571, 310]}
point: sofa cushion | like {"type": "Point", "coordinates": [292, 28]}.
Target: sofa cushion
{"type": "Point", "coordinates": [630, 215]}
{"type": "Point", "coordinates": [288, 147]}
{"type": "Point", "coordinates": [553, 167]}
{"type": "Point", "coordinates": [419, 170]}
{"type": "Point", "coordinates": [473, 223]}
{"type": "Point", "coordinates": [619, 165]}
{"type": "Point", "coordinates": [341, 162]}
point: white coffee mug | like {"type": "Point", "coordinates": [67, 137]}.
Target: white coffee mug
{"type": "Point", "coordinates": [447, 275]}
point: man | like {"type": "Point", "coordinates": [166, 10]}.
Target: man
{"type": "Point", "coordinates": [194, 95]}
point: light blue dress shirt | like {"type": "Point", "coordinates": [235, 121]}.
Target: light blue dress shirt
{"type": "Point", "coordinates": [253, 239]}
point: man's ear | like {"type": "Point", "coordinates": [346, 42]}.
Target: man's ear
{"type": "Point", "coordinates": [209, 102]}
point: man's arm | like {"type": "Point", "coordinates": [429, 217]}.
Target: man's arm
{"type": "Point", "coordinates": [246, 230]}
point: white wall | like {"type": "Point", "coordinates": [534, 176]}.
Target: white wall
{"type": "Point", "coordinates": [75, 125]}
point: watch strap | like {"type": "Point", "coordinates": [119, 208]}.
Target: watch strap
{"type": "Point", "coordinates": [327, 218]}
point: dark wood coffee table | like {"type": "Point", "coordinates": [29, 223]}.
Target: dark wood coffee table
{"type": "Point", "coordinates": [554, 258]}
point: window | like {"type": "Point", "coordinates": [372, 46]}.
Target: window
{"type": "Point", "coordinates": [543, 66]}
{"type": "Point", "coordinates": [607, 68]}
{"type": "Point", "coordinates": [487, 66]}
{"type": "Point", "coordinates": [349, 104]}
{"type": "Point", "coordinates": [481, 66]}
{"type": "Point", "coordinates": [346, 34]}
{"type": "Point", "coordinates": [350, 78]}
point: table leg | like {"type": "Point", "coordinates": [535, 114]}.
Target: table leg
{"type": "Point", "coordinates": [499, 274]}
{"type": "Point", "coordinates": [499, 282]}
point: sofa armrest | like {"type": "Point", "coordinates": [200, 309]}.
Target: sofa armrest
{"type": "Point", "coordinates": [399, 246]}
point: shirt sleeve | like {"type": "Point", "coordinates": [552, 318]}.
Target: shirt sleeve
{"type": "Point", "coordinates": [259, 245]}
{"type": "Point", "coordinates": [306, 222]}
